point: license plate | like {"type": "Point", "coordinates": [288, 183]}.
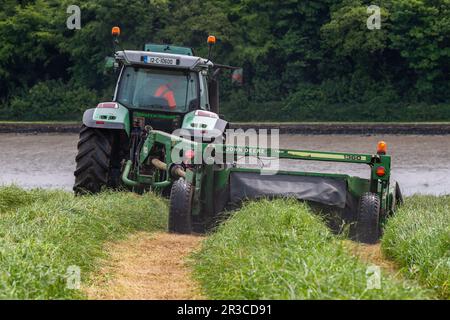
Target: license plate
{"type": "Point", "coordinates": [160, 61]}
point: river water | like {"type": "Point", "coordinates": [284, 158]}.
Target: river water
{"type": "Point", "coordinates": [421, 164]}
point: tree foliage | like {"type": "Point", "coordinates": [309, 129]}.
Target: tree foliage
{"type": "Point", "coordinates": [302, 60]}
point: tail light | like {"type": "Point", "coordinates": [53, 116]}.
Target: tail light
{"type": "Point", "coordinates": [381, 171]}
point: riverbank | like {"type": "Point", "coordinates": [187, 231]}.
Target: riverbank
{"type": "Point", "coordinates": [316, 128]}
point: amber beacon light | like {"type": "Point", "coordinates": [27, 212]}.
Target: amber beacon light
{"type": "Point", "coordinates": [211, 40]}
{"type": "Point", "coordinates": [382, 147]}
{"type": "Point", "coordinates": [115, 31]}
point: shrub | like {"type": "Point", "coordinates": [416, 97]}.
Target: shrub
{"type": "Point", "coordinates": [50, 100]}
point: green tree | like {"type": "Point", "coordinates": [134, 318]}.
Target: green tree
{"type": "Point", "coordinates": [421, 34]}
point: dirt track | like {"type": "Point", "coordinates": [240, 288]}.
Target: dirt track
{"type": "Point", "coordinates": [155, 267]}
{"type": "Point", "coordinates": [373, 255]}
{"type": "Point", "coordinates": [147, 266]}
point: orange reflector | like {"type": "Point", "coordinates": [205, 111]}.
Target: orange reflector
{"type": "Point", "coordinates": [211, 40]}
{"type": "Point", "coordinates": [382, 147]}
{"type": "Point", "coordinates": [381, 171]}
{"type": "Point", "coordinates": [115, 31]}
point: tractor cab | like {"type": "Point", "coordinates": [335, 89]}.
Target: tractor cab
{"type": "Point", "coordinates": [162, 87]}
{"type": "Point", "coordinates": [159, 88]}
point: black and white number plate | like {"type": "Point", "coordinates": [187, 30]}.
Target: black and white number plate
{"type": "Point", "coordinates": [160, 61]}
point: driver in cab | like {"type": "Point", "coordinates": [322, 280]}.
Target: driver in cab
{"type": "Point", "coordinates": [165, 91]}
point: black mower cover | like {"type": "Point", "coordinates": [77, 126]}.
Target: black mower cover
{"type": "Point", "coordinates": [327, 191]}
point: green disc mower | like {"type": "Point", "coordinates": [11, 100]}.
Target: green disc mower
{"type": "Point", "coordinates": [162, 132]}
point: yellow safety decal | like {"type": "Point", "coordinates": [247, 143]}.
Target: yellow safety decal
{"type": "Point", "coordinates": [326, 156]}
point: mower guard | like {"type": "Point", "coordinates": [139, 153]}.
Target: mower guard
{"type": "Point", "coordinates": [250, 185]}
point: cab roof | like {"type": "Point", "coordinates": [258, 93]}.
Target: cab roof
{"type": "Point", "coordinates": [174, 61]}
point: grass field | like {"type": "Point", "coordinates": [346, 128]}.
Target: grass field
{"type": "Point", "coordinates": [418, 239]}
{"type": "Point", "coordinates": [267, 250]}
{"type": "Point", "coordinates": [42, 233]}
{"type": "Point", "coordinates": [280, 250]}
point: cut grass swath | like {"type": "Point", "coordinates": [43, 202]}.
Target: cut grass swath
{"type": "Point", "coordinates": [280, 250]}
{"type": "Point", "coordinates": [418, 239]}
{"type": "Point", "coordinates": [42, 233]}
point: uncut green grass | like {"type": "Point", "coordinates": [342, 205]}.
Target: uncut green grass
{"type": "Point", "coordinates": [42, 233]}
{"type": "Point", "coordinates": [418, 239]}
{"type": "Point", "coordinates": [280, 250]}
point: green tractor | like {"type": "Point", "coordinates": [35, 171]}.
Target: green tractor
{"type": "Point", "coordinates": [133, 141]}
{"type": "Point", "coordinates": [164, 87]}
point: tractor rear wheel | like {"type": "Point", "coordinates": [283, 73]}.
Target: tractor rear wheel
{"type": "Point", "coordinates": [368, 221]}
{"type": "Point", "coordinates": [94, 161]}
{"type": "Point", "coordinates": [180, 212]}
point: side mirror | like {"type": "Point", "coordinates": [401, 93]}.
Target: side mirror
{"type": "Point", "coordinates": [110, 64]}
{"type": "Point", "coordinates": [237, 77]}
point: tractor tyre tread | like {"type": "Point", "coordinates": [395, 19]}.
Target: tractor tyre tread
{"type": "Point", "coordinates": [180, 212]}
{"type": "Point", "coordinates": [368, 221]}
{"type": "Point", "coordinates": [93, 161]}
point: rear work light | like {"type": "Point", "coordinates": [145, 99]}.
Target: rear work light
{"type": "Point", "coordinates": [381, 171]}
{"type": "Point", "coordinates": [108, 105]}
{"type": "Point", "coordinates": [203, 113]}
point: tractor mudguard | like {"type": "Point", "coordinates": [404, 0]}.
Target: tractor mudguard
{"type": "Point", "coordinates": [204, 123]}
{"type": "Point", "coordinates": [108, 115]}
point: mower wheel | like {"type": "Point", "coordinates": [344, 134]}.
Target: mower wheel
{"type": "Point", "coordinates": [368, 223]}
{"type": "Point", "coordinates": [93, 171]}
{"type": "Point", "coordinates": [180, 212]}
